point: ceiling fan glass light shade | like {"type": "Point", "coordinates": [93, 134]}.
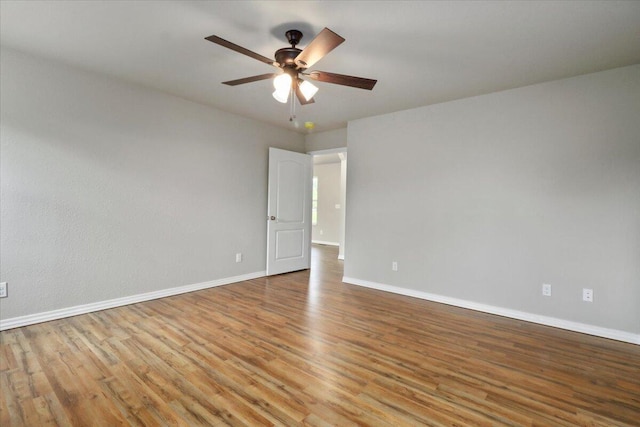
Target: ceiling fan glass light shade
{"type": "Point", "coordinates": [308, 89]}
{"type": "Point", "coordinates": [282, 82]}
{"type": "Point", "coordinates": [281, 96]}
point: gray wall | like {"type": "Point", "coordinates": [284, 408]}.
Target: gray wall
{"type": "Point", "coordinates": [327, 229]}
{"type": "Point", "coordinates": [326, 140]}
{"type": "Point", "coordinates": [110, 189]}
{"type": "Point", "coordinates": [486, 198]}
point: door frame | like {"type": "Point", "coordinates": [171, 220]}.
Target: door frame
{"type": "Point", "coordinates": [342, 152]}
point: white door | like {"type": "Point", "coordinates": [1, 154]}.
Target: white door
{"type": "Point", "coordinates": [288, 212]}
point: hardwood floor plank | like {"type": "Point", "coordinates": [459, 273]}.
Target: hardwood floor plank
{"type": "Point", "coordinates": [345, 405]}
{"type": "Point", "coordinates": [314, 420]}
{"type": "Point", "coordinates": [8, 359]}
{"type": "Point", "coordinates": [306, 349]}
{"type": "Point", "coordinates": [10, 409]}
{"type": "Point", "coordinates": [30, 413]}
{"type": "Point", "coordinates": [137, 401]}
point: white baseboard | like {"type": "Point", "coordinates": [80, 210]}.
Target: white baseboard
{"type": "Point", "coordinates": [321, 242]}
{"type": "Point", "coordinates": [613, 334]}
{"type": "Point", "coordinates": [31, 319]}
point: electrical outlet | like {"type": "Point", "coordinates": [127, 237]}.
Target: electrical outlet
{"type": "Point", "coordinates": [546, 289]}
{"type": "Point", "coordinates": [587, 295]}
{"type": "Point", "coordinates": [239, 257]}
{"type": "Point", "coordinates": [3, 289]}
{"type": "Point", "coordinates": [394, 265]}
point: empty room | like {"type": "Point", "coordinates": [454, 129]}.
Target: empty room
{"type": "Point", "coordinates": [319, 213]}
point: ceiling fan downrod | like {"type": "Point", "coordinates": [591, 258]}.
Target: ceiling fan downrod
{"type": "Point", "coordinates": [294, 37]}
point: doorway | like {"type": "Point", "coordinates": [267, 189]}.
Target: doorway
{"type": "Point", "coordinates": [297, 204]}
{"type": "Point", "coordinates": [329, 198]}
{"type": "Point", "coordinates": [288, 211]}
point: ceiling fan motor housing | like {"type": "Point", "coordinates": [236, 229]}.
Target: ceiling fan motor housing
{"type": "Point", "coordinates": [286, 56]}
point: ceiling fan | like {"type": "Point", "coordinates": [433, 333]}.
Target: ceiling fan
{"type": "Point", "coordinates": [294, 63]}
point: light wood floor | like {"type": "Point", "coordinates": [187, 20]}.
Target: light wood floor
{"type": "Point", "coordinates": [306, 349]}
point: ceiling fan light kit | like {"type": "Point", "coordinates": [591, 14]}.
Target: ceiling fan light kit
{"type": "Point", "coordinates": [294, 62]}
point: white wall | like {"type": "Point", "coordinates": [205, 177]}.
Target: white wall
{"type": "Point", "coordinates": [328, 228]}
{"type": "Point", "coordinates": [111, 190]}
{"type": "Point", "coordinates": [484, 199]}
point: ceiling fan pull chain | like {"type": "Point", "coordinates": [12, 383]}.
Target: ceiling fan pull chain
{"type": "Point", "coordinates": [293, 107]}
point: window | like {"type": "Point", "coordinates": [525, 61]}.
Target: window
{"type": "Point", "coordinates": [314, 202]}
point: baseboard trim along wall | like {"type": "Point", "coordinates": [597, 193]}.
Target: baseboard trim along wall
{"type": "Point", "coordinates": [500, 311]}
{"type": "Point", "coordinates": [31, 319]}
{"type": "Point", "coordinates": [321, 242]}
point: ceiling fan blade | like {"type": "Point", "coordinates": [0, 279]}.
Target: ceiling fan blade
{"type": "Point", "coordinates": [321, 44]}
{"type": "Point", "coordinates": [341, 79]}
{"type": "Point", "coordinates": [301, 98]}
{"type": "Point", "coordinates": [250, 79]}
{"type": "Point", "coordinates": [240, 49]}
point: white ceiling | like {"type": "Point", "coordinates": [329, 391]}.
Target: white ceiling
{"type": "Point", "coordinates": [421, 52]}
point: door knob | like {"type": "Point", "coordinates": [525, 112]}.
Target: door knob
{"type": "Point", "coordinates": [272, 218]}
